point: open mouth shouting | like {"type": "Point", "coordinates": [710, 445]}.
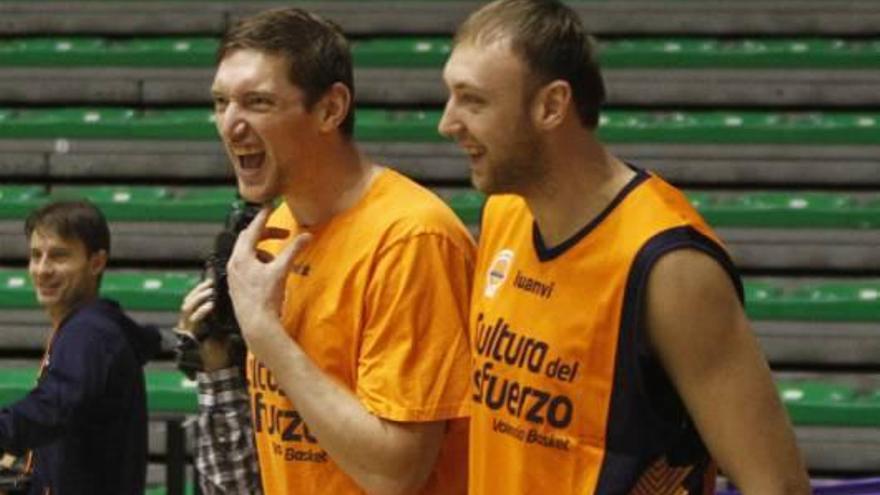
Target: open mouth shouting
{"type": "Point", "coordinates": [249, 164]}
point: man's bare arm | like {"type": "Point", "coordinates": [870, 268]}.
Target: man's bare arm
{"type": "Point", "coordinates": [699, 330]}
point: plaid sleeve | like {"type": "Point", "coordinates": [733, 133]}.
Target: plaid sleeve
{"type": "Point", "coordinates": [226, 457]}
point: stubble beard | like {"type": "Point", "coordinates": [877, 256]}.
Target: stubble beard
{"type": "Point", "coordinates": [515, 172]}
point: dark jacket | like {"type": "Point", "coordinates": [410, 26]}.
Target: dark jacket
{"type": "Point", "coordinates": [86, 420]}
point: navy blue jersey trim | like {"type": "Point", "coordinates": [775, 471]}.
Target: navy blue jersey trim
{"type": "Point", "coordinates": [646, 418]}
{"type": "Point", "coordinates": [548, 253]}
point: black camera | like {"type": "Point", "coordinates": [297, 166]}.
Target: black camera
{"type": "Point", "coordinates": [220, 322]}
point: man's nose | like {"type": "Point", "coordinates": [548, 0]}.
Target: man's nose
{"type": "Point", "coordinates": [43, 265]}
{"type": "Point", "coordinates": [449, 124]}
{"type": "Point", "coordinates": [233, 126]}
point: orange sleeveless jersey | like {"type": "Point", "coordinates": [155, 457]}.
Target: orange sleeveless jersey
{"type": "Point", "coordinates": [378, 299]}
{"type": "Point", "coordinates": [567, 397]}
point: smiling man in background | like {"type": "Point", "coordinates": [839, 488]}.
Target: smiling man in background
{"type": "Point", "coordinates": [84, 426]}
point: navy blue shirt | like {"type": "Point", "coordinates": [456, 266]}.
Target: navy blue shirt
{"type": "Point", "coordinates": [86, 420]}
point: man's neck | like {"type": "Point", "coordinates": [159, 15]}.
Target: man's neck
{"type": "Point", "coordinates": [58, 315]}
{"type": "Point", "coordinates": [581, 180]}
{"type": "Point", "coordinates": [338, 179]}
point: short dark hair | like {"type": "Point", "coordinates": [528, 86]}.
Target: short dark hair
{"type": "Point", "coordinates": [74, 219]}
{"type": "Point", "coordinates": [316, 49]}
{"type": "Point", "coordinates": [550, 39]}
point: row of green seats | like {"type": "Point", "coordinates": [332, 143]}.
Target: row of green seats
{"type": "Point", "coordinates": [831, 301]}
{"type": "Point", "coordinates": [787, 209]}
{"type": "Point", "coordinates": [809, 402]}
{"type": "Point", "coordinates": [417, 126]}
{"type": "Point", "coordinates": [126, 203]}
{"type": "Point", "coordinates": [157, 291]}
{"type": "Point", "coordinates": [168, 391]}
{"type": "Point", "coordinates": [431, 52]}
{"type": "Point", "coordinates": [818, 403]}
{"type": "Point", "coordinates": [755, 209]}
{"type": "Point", "coordinates": [161, 490]}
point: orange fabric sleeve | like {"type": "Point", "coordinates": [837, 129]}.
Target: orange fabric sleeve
{"type": "Point", "coordinates": [414, 359]}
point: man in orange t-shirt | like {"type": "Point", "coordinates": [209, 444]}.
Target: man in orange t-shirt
{"type": "Point", "coordinates": [352, 296]}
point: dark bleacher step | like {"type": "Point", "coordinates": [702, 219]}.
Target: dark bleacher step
{"type": "Point", "coordinates": [784, 342]}
{"type": "Point", "coordinates": [442, 16]}
{"type": "Point", "coordinates": [24, 331]}
{"type": "Point", "coordinates": [653, 71]}
{"type": "Point", "coordinates": [692, 164]}
{"type": "Point", "coordinates": [805, 321]}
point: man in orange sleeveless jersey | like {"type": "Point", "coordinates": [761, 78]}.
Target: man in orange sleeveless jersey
{"type": "Point", "coordinates": [352, 295]}
{"type": "Point", "coordinates": [611, 348]}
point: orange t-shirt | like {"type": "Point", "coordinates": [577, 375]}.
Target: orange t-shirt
{"type": "Point", "coordinates": [567, 397]}
{"type": "Point", "coordinates": [378, 300]}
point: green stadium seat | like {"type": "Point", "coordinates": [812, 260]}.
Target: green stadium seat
{"type": "Point", "coordinates": [168, 391]}
{"type": "Point", "coordinates": [135, 291]}
{"type": "Point", "coordinates": [16, 289]}
{"type": "Point", "coordinates": [756, 53]}
{"type": "Point", "coordinates": [431, 52]}
{"type": "Point", "coordinates": [407, 53]}
{"type": "Point", "coordinates": [859, 301]}
{"type": "Point", "coordinates": [787, 209]}
{"type": "Point", "coordinates": [739, 127]}
{"type": "Point", "coordinates": [171, 392]}
{"type": "Point", "coordinates": [855, 301]}
{"type": "Point", "coordinates": [127, 203]}
{"type": "Point", "coordinates": [103, 52]}
{"type": "Point", "coordinates": [809, 402]}
{"type": "Point", "coordinates": [814, 403]}
{"type": "Point", "coordinates": [161, 490]}
{"type": "Point", "coordinates": [769, 210]}
{"type": "Point", "coordinates": [467, 205]}
{"type": "Point", "coordinates": [18, 201]}
{"type": "Point", "coordinates": [154, 204]}
{"type": "Point", "coordinates": [776, 210]}
{"type": "Point", "coordinates": [108, 123]}
{"type": "Point", "coordinates": [148, 292]}
{"type": "Point", "coordinates": [758, 292]}
{"type": "Point", "coordinates": [15, 383]}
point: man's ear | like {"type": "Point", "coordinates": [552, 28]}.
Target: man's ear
{"type": "Point", "coordinates": [334, 107]}
{"type": "Point", "coordinates": [98, 262]}
{"type": "Point", "coordinates": [551, 104]}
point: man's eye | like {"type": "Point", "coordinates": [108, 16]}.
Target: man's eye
{"type": "Point", "coordinates": [470, 99]}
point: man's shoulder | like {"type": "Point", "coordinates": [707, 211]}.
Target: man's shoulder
{"type": "Point", "coordinates": [504, 204]}
{"type": "Point", "coordinates": [103, 321]}
{"type": "Point", "coordinates": [100, 314]}
{"type": "Point", "coordinates": [402, 208]}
